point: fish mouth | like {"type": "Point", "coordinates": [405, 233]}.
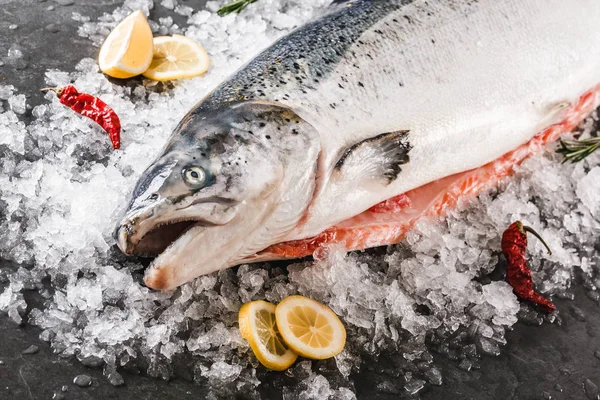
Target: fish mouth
{"type": "Point", "coordinates": [148, 232]}
{"type": "Point", "coordinates": [156, 240]}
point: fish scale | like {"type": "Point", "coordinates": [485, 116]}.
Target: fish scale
{"type": "Point", "coordinates": [468, 95]}
{"type": "Point", "coordinates": [373, 81]}
{"type": "Point", "coordinates": [298, 62]}
{"type": "Point", "coordinates": [422, 101]}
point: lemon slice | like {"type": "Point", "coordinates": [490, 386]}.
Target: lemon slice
{"type": "Point", "coordinates": [176, 57]}
{"type": "Point", "coordinates": [310, 328]}
{"type": "Point", "coordinates": [257, 326]}
{"type": "Point", "coordinates": [127, 51]}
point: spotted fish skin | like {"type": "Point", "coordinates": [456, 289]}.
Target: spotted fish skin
{"type": "Point", "coordinates": [300, 61]}
{"type": "Point", "coordinates": [469, 80]}
{"type": "Point", "coordinates": [372, 101]}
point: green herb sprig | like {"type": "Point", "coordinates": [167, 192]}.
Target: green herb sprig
{"type": "Point", "coordinates": [577, 150]}
{"type": "Point", "coordinates": [235, 6]}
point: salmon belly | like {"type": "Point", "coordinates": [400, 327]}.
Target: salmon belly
{"type": "Point", "coordinates": [388, 222]}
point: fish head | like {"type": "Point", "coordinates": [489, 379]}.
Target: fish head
{"type": "Point", "coordinates": [220, 178]}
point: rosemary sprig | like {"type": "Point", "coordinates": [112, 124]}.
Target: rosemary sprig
{"type": "Point", "coordinates": [235, 6]}
{"type": "Point", "coordinates": [577, 150]}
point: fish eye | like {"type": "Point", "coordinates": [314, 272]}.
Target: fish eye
{"type": "Point", "coordinates": [194, 175]}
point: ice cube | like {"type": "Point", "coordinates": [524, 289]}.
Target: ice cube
{"type": "Point", "coordinates": [6, 91]}
{"type": "Point", "coordinates": [500, 295]}
{"type": "Point", "coordinates": [317, 388]}
{"type": "Point", "coordinates": [18, 103]}
{"type": "Point", "coordinates": [170, 4]}
{"type": "Point", "coordinates": [588, 190]}
{"type": "Point", "coordinates": [222, 373]}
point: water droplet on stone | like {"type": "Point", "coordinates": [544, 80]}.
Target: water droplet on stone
{"type": "Point", "coordinates": [591, 390]}
{"type": "Point", "coordinates": [58, 396]}
{"type": "Point", "coordinates": [13, 27]}
{"type": "Point", "coordinates": [64, 2]}
{"type": "Point", "coordinates": [50, 8]}
{"type": "Point", "coordinates": [64, 388]}
{"type": "Point", "coordinates": [82, 380]}
{"type": "Point", "coordinates": [31, 349]}
{"type": "Point", "coordinates": [594, 295]}
{"type": "Point", "coordinates": [53, 28]}
{"type": "Point", "coordinates": [558, 388]}
{"type": "Point", "coordinates": [92, 361]}
{"type": "Point", "coordinates": [565, 370]}
{"type": "Point", "coordinates": [578, 313]}
{"type": "Point", "coordinates": [465, 365]}
{"type": "Point", "coordinates": [546, 395]}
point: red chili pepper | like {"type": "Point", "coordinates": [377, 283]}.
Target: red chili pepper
{"type": "Point", "coordinates": [93, 108]}
{"type": "Point", "coordinates": [518, 274]}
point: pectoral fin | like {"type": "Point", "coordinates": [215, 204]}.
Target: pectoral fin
{"type": "Point", "coordinates": [377, 158]}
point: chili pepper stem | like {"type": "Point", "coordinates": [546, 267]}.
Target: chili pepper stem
{"type": "Point", "coordinates": [55, 90]}
{"type": "Point", "coordinates": [537, 235]}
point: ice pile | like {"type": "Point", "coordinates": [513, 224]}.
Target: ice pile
{"type": "Point", "coordinates": [62, 189]}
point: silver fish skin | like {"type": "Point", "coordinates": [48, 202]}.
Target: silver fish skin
{"type": "Point", "coordinates": [372, 100]}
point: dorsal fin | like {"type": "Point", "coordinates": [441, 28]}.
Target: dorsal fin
{"type": "Point", "coordinates": [378, 157]}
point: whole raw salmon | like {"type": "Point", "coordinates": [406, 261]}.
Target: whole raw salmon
{"type": "Point", "coordinates": [352, 127]}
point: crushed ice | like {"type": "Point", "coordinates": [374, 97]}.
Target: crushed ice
{"type": "Point", "coordinates": [63, 188]}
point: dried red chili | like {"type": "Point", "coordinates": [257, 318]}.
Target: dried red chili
{"type": "Point", "coordinates": [518, 274]}
{"type": "Point", "coordinates": [93, 108]}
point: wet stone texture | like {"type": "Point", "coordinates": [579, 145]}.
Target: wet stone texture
{"type": "Point", "coordinates": [547, 361]}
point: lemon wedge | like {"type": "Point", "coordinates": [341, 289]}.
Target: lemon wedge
{"type": "Point", "coordinates": [177, 57]}
{"type": "Point", "coordinates": [127, 51]}
{"type": "Point", "coordinates": [257, 326]}
{"type": "Point", "coordinates": [310, 328]}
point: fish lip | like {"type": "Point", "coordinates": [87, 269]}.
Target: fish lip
{"type": "Point", "coordinates": [122, 236]}
{"type": "Point", "coordinates": [129, 240]}
{"type": "Point", "coordinates": [125, 233]}
{"type": "Point", "coordinates": [137, 225]}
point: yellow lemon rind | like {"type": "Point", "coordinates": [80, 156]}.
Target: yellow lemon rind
{"type": "Point", "coordinates": [202, 58]}
{"type": "Point", "coordinates": [339, 336]}
{"type": "Point", "coordinates": [246, 320]}
{"type": "Point", "coordinates": [112, 64]}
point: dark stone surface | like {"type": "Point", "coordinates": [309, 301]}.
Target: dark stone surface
{"type": "Point", "coordinates": [47, 38]}
{"type": "Point", "coordinates": [540, 362]}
